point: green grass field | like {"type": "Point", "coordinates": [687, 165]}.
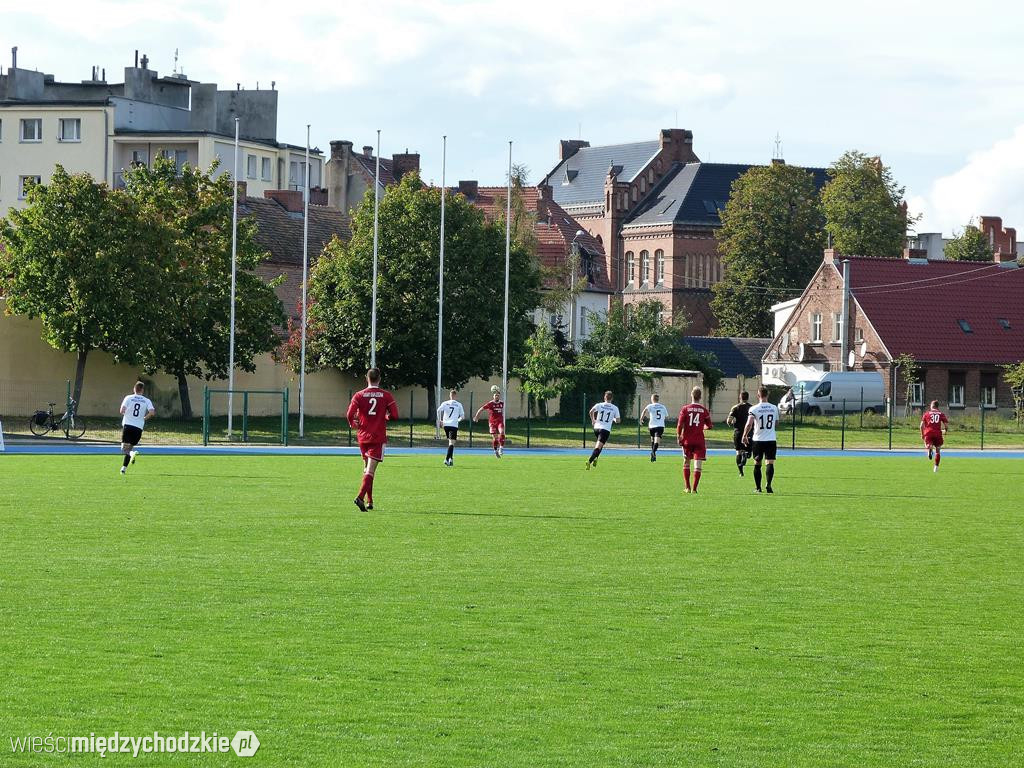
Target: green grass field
{"type": "Point", "coordinates": [519, 612]}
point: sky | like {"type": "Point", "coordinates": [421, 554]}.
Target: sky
{"type": "Point", "coordinates": [935, 88]}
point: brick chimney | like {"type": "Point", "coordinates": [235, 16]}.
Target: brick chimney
{"type": "Point", "coordinates": [469, 189]}
{"type": "Point", "coordinates": [367, 150]}
{"type": "Point", "coordinates": [1003, 241]}
{"type": "Point", "coordinates": [243, 189]}
{"type": "Point", "coordinates": [545, 192]}
{"type": "Point", "coordinates": [338, 169]}
{"type": "Point", "coordinates": [569, 147]}
{"type": "Point", "coordinates": [831, 256]}
{"type": "Point", "coordinates": [677, 145]}
{"type": "Point", "coordinates": [915, 253]}
{"type": "Point", "coordinates": [289, 199]}
{"type": "Point", "coordinates": [404, 163]}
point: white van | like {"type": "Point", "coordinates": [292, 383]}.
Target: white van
{"type": "Point", "coordinates": [859, 389]}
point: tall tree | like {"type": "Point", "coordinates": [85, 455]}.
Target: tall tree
{"type": "Point", "coordinates": [969, 245]}
{"type": "Point", "coordinates": [338, 335]}
{"type": "Point", "coordinates": [76, 258]}
{"type": "Point", "coordinates": [191, 337]}
{"type": "Point", "coordinates": [771, 239]}
{"type": "Point", "coordinates": [542, 368]}
{"type": "Point", "coordinates": [864, 209]}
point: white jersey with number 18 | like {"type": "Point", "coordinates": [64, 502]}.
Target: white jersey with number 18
{"type": "Point", "coordinates": [450, 413]}
{"type": "Point", "coordinates": [766, 419]}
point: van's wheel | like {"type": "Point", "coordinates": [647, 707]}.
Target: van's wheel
{"type": "Point", "coordinates": [869, 411]}
{"type": "Point", "coordinates": [814, 411]}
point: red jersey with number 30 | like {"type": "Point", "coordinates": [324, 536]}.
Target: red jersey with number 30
{"type": "Point", "coordinates": [693, 418]}
{"type": "Point", "coordinates": [932, 421]}
{"type": "Point", "coordinates": [370, 410]}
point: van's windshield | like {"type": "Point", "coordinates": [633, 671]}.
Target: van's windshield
{"type": "Point", "coordinates": [807, 387]}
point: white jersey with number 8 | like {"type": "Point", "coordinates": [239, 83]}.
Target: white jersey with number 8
{"type": "Point", "coordinates": [766, 419]}
{"type": "Point", "coordinates": [135, 409]}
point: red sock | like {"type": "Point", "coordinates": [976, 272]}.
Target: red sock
{"type": "Point", "coordinates": [696, 479]}
{"type": "Point", "coordinates": [686, 477]}
{"type": "Point", "coordinates": [364, 487]}
{"type": "Point", "coordinates": [369, 488]}
{"type": "Point", "coordinates": [494, 443]}
{"type": "Point", "coordinates": [938, 458]}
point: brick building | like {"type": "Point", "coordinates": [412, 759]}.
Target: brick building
{"type": "Point", "coordinates": [349, 174]}
{"type": "Point", "coordinates": [654, 206]}
{"type": "Point", "coordinates": [960, 321]}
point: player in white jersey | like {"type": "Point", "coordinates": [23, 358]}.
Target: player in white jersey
{"type": "Point", "coordinates": [136, 408]}
{"type": "Point", "coordinates": [603, 415]}
{"type": "Point", "coordinates": [655, 414]}
{"type": "Point", "coordinates": [449, 414]}
{"type": "Point", "coordinates": [761, 425]}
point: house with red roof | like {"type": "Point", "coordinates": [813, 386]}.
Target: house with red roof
{"type": "Point", "coordinates": [960, 320]}
{"type": "Point", "coordinates": [349, 174]}
{"type": "Point", "coordinates": [561, 241]}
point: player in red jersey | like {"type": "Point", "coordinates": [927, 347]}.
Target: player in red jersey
{"type": "Point", "coordinates": [694, 419]}
{"type": "Point", "coordinates": [496, 420]}
{"type": "Point", "coordinates": [369, 412]}
{"type": "Point", "coordinates": [934, 425]}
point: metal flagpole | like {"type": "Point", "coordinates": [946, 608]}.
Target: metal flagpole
{"type": "Point", "coordinates": [305, 279]}
{"type": "Point", "coordinates": [508, 250]}
{"type": "Point", "coordinates": [440, 280]}
{"type": "Point", "coordinates": [234, 259]}
{"type": "Point", "coordinates": [376, 213]}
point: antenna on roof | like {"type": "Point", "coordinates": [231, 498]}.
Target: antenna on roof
{"type": "Point", "coordinates": [677, 120]}
{"type": "Point", "coordinates": [778, 147]}
{"type": "Point", "coordinates": [175, 71]}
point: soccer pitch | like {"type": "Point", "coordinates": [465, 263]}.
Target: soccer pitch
{"type": "Point", "coordinates": [520, 612]}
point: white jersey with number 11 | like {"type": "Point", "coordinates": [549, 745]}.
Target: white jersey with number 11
{"type": "Point", "coordinates": [766, 419]}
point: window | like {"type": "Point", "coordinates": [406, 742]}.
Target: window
{"type": "Point", "coordinates": [965, 326]}
{"type": "Point", "coordinates": [816, 327]}
{"type": "Point", "coordinates": [177, 156]}
{"type": "Point", "coordinates": [583, 323]}
{"type": "Point", "coordinates": [957, 384]}
{"type": "Point", "coordinates": [25, 183]}
{"type": "Point", "coordinates": [630, 268]}
{"type": "Point", "coordinates": [294, 177]}
{"type": "Point", "coordinates": [1004, 323]}
{"type": "Point", "coordinates": [250, 166]}
{"type": "Point", "coordinates": [1, 130]}
{"type": "Point", "coordinates": [837, 326]}
{"type": "Point", "coordinates": [70, 129]}
{"type": "Point", "coordinates": [139, 157]}
{"type": "Point", "coordinates": [645, 267]}
{"type": "Point", "coordinates": [860, 334]}
{"type": "Point", "coordinates": [266, 169]}
{"type": "Point", "coordinates": [917, 393]}
{"type": "Point", "coordinates": [659, 266]}
{"type": "Point", "coordinates": [32, 129]}
{"type": "Point", "coordinates": [988, 390]}
{"type": "Point", "coordinates": [824, 389]}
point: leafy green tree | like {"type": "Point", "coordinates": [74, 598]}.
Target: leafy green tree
{"type": "Point", "coordinates": [338, 335]}
{"type": "Point", "coordinates": [542, 370]}
{"type": "Point", "coordinates": [906, 368]}
{"type": "Point", "coordinates": [969, 245]}
{"type": "Point", "coordinates": [771, 239]}
{"type": "Point", "coordinates": [191, 336]}
{"type": "Point", "coordinates": [1014, 377]}
{"type": "Point", "coordinates": [75, 257]}
{"type": "Point", "coordinates": [864, 209]}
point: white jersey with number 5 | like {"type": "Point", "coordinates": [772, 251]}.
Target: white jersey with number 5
{"type": "Point", "coordinates": [450, 413]}
{"type": "Point", "coordinates": [656, 412]}
{"type": "Point", "coordinates": [605, 415]}
{"type": "Point", "coordinates": [766, 419]}
{"type": "Point", "coordinates": [135, 409]}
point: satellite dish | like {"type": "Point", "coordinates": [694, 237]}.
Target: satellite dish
{"type": "Point", "coordinates": [851, 359]}
{"type": "Point", "coordinates": [801, 352]}
{"type": "Point", "coordinates": [863, 348]}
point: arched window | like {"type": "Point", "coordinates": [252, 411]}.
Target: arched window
{"type": "Point", "coordinates": [645, 267]}
{"type": "Point", "coordinates": [643, 186]}
{"type": "Point", "coordinates": [633, 193]}
{"type": "Point", "coordinates": [630, 268]}
{"type": "Point", "coordinates": [659, 266]}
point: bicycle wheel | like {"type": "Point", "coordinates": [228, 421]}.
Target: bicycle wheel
{"type": "Point", "coordinates": [72, 426]}
{"type": "Point", "coordinates": [37, 429]}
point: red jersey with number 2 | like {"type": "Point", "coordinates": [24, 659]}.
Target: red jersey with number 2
{"type": "Point", "coordinates": [932, 421]}
{"type": "Point", "coordinates": [693, 418]}
{"type": "Point", "coordinates": [370, 410]}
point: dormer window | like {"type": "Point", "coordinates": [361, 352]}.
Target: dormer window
{"type": "Point", "coordinates": [1004, 323]}
{"type": "Point", "coordinates": [965, 326]}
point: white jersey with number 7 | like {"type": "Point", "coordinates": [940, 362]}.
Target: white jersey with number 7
{"type": "Point", "coordinates": [766, 419]}
{"type": "Point", "coordinates": [450, 413]}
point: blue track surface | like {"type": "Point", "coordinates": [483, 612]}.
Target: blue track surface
{"type": "Point", "coordinates": [57, 447]}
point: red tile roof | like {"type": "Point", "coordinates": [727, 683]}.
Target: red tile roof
{"type": "Point", "coordinates": [916, 308]}
{"type": "Point", "coordinates": [369, 165]}
{"type": "Point", "coordinates": [555, 230]}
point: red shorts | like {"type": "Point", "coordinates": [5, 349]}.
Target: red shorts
{"type": "Point", "coordinates": [373, 451]}
{"type": "Point", "coordinates": [933, 439]}
{"type": "Point", "coordinates": [696, 451]}
{"type": "Point", "coordinates": [497, 429]}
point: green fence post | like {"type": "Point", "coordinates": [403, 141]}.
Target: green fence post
{"type": "Point", "coordinates": [584, 401]}
{"type": "Point", "coordinates": [638, 446]}
{"type": "Point", "coordinates": [983, 425]}
{"type": "Point", "coordinates": [842, 439]}
{"type": "Point", "coordinates": [284, 418]}
{"type": "Point", "coordinates": [412, 395]}
{"type": "Point", "coordinates": [350, 394]}
{"type": "Point", "coordinates": [793, 446]}
{"type": "Point", "coordinates": [529, 403]}
{"type": "Point", "coordinates": [206, 415]}
{"type": "Point", "coordinates": [472, 421]}
{"type": "Point", "coordinates": [892, 407]}
{"type": "Point", "coordinates": [245, 416]}
{"type": "Point", "coordinates": [862, 407]}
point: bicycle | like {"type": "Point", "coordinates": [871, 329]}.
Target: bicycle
{"type": "Point", "coordinates": [44, 422]}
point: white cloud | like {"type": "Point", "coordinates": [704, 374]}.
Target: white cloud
{"type": "Point", "coordinates": [990, 183]}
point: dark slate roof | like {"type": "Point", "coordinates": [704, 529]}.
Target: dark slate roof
{"type": "Point", "coordinates": [736, 356]}
{"type": "Point", "coordinates": [579, 180]}
{"type": "Point", "coordinates": [694, 193]}
{"type": "Point", "coordinates": [280, 232]}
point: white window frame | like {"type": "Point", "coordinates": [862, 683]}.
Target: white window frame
{"type": "Point", "coordinates": [816, 328]}
{"type": "Point", "coordinates": [38, 121]}
{"type": "Point", "coordinates": [21, 184]}
{"type": "Point", "coordinates": [250, 166]}
{"type": "Point", "coordinates": [956, 395]}
{"type": "Point", "coordinates": [630, 268]}
{"type": "Point", "coordinates": [645, 267]}
{"type": "Point", "coordinates": [837, 327]}
{"type": "Point", "coordinates": [140, 157]}
{"type": "Point", "coordinates": [63, 123]}
{"type": "Point", "coordinates": [583, 324]}
{"type": "Point", "coordinates": [988, 397]}
{"type": "Point", "coordinates": [267, 169]}
{"type": "Point", "coordinates": [659, 266]}
{"type": "Point", "coordinates": [917, 393]}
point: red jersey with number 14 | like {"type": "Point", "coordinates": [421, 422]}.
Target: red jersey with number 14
{"type": "Point", "coordinates": [370, 410]}
{"type": "Point", "coordinates": [693, 418]}
{"type": "Point", "coordinates": [932, 421]}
